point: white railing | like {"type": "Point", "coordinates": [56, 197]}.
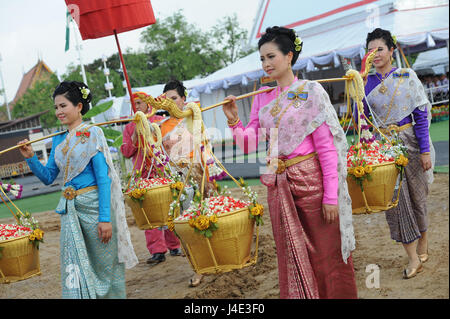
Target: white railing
{"type": "Point", "coordinates": [438, 94]}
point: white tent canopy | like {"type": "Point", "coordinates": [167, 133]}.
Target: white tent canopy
{"type": "Point", "coordinates": [344, 37]}
{"type": "Point", "coordinates": [436, 60]}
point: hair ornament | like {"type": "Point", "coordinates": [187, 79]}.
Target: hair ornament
{"type": "Point", "coordinates": [394, 39]}
{"type": "Point", "coordinates": [298, 43]}
{"type": "Point", "coordinates": [85, 92]}
{"type": "Point", "coordinates": [185, 93]}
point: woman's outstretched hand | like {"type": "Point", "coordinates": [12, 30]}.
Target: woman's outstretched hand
{"type": "Point", "coordinates": [25, 150]}
{"type": "Point", "coordinates": [230, 109]}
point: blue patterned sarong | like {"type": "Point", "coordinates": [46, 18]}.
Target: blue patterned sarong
{"type": "Point", "coordinates": [89, 268]}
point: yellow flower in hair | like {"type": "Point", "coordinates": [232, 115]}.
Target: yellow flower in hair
{"type": "Point", "coordinates": [394, 39]}
{"type": "Point", "coordinates": [85, 93]}
{"type": "Point", "coordinates": [298, 41]}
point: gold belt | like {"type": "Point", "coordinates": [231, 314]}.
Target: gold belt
{"type": "Point", "coordinates": [395, 128]}
{"type": "Point", "coordinates": [70, 193]}
{"type": "Point", "coordinates": [281, 165]}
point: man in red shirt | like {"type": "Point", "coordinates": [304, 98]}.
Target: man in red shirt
{"type": "Point", "coordinates": [158, 239]}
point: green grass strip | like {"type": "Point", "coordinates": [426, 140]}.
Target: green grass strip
{"type": "Point", "coordinates": [35, 204]}
{"type": "Point", "coordinates": [441, 169]}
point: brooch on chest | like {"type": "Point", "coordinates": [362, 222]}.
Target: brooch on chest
{"type": "Point", "coordinates": [295, 97]}
{"type": "Point", "coordinates": [84, 135]}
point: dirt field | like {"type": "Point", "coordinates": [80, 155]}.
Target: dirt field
{"type": "Point", "coordinates": [170, 279]}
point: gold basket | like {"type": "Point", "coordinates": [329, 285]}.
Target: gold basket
{"type": "Point", "coordinates": [19, 261]}
{"type": "Point", "coordinates": [155, 207]}
{"type": "Point", "coordinates": [378, 193]}
{"type": "Point", "coordinates": [228, 248]}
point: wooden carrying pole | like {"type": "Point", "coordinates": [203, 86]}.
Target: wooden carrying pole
{"type": "Point", "coordinates": [62, 132]}
{"type": "Point", "coordinates": [240, 97]}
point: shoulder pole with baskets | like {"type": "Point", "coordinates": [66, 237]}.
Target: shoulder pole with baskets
{"type": "Point", "coordinates": [229, 246]}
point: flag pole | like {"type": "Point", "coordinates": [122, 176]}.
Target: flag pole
{"type": "Point", "coordinates": [125, 72]}
{"type": "Point", "coordinates": [78, 48]}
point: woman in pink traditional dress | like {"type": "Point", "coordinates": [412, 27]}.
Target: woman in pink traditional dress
{"type": "Point", "coordinates": [311, 216]}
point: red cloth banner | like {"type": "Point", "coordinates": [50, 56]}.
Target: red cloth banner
{"type": "Point", "coordinates": [99, 18]}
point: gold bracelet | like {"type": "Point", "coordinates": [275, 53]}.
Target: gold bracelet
{"type": "Point", "coordinates": [234, 123]}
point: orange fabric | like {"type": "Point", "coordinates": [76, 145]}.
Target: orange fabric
{"type": "Point", "coordinates": [169, 125]}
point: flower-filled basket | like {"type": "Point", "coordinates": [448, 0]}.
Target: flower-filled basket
{"type": "Point", "coordinates": [216, 231]}
{"type": "Point", "coordinates": [19, 258]}
{"type": "Point", "coordinates": [149, 201]}
{"type": "Point", "coordinates": [150, 198]}
{"type": "Point", "coordinates": [373, 169]}
{"type": "Point", "coordinates": [218, 236]}
{"type": "Point", "coordinates": [19, 249]}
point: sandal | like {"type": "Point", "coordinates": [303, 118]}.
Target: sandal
{"type": "Point", "coordinates": [196, 282]}
{"type": "Point", "coordinates": [407, 274]}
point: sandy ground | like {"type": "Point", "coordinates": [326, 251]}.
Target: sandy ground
{"type": "Point", "coordinates": [170, 279]}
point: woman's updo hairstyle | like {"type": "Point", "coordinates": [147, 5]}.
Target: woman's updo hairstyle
{"type": "Point", "coordinates": [381, 34]}
{"type": "Point", "coordinates": [285, 39]}
{"type": "Point", "coordinates": [75, 92]}
{"type": "Point", "coordinates": [175, 85]}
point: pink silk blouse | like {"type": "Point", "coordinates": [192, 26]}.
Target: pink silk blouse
{"type": "Point", "coordinates": [320, 141]}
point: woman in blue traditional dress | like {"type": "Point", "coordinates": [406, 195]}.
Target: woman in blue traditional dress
{"type": "Point", "coordinates": [398, 103]}
{"type": "Point", "coordinates": [95, 240]}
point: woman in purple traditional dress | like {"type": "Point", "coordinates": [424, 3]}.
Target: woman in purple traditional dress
{"type": "Point", "coordinates": [398, 103]}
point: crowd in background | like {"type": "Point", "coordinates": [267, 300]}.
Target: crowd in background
{"type": "Point", "coordinates": [436, 86]}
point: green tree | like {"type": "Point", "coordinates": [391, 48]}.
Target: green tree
{"type": "Point", "coordinates": [37, 99]}
{"type": "Point", "coordinates": [178, 49]}
{"type": "Point", "coordinates": [96, 80]}
{"type": "Point", "coordinates": [230, 39]}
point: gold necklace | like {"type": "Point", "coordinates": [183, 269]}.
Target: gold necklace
{"type": "Point", "coordinates": [276, 109]}
{"type": "Point", "coordinates": [65, 149]}
{"type": "Point", "coordinates": [383, 88]}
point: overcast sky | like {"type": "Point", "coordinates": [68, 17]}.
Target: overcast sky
{"type": "Point", "coordinates": [33, 28]}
